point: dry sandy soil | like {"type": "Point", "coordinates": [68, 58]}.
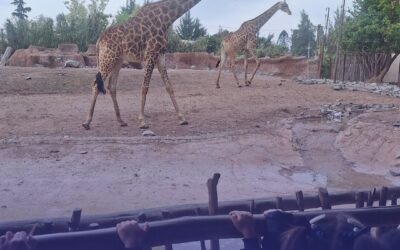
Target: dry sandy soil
{"type": "Point", "coordinates": [265, 140]}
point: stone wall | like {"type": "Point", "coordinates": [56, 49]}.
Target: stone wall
{"type": "Point", "coordinates": [43, 57]}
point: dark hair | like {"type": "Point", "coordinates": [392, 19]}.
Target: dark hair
{"type": "Point", "coordinates": [323, 233]}
{"type": "Point", "coordinates": [366, 242]}
{"type": "Point", "coordinates": [391, 240]}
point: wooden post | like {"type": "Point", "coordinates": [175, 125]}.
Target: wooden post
{"type": "Point", "coordinates": [383, 196]}
{"type": "Point", "coordinates": [300, 200]}
{"type": "Point", "coordinates": [48, 227]}
{"type": "Point", "coordinates": [279, 203]}
{"type": "Point", "coordinates": [142, 218]}
{"type": "Point", "coordinates": [371, 198]}
{"type": "Point", "coordinates": [7, 54]}
{"type": "Point", "coordinates": [202, 242]}
{"type": "Point", "coordinates": [360, 198]}
{"type": "Point", "coordinates": [166, 215]}
{"type": "Point", "coordinates": [339, 40]}
{"type": "Point", "coordinates": [324, 40]}
{"type": "Point", "coordinates": [382, 203]}
{"type": "Point", "coordinates": [344, 67]}
{"type": "Point", "coordinates": [394, 199]}
{"type": "Point", "coordinates": [75, 220]}
{"type": "Point", "coordinates": [324, 198]}
{"type": "Point", "coordinates": [213, 203]}
{"type": "Point", "coordinates": [252, 206]}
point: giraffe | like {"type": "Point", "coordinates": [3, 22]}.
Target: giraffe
{"type": "Point", "coordinates": [245, 40]}
{"type": "Point", "coordinates": [143, 38]}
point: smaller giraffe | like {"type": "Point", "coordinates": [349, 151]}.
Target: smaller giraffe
{"type": "Point", "coordinates": [245, 40]}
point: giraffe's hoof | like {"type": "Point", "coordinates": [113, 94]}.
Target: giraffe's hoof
{"type": "Point", "coordinates": [144, 126]}
{"type": "Point", "coordinates": [184, 123]}
{"type": "Point", "coordinates": [218, 87]}
{"type": "Point", "coordinates": [248, 83]}
{"type": "Point", "coordinates": [123, 124]}
{"type": "Point", "coordinates": [86, 126]}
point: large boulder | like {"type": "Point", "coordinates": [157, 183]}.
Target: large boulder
{"type": "Point", "coordinates": [92, 50]}
{"type": "Point", "coordinates": [68, 48]}
{"type": "Point", "coordinates": [36, 56]}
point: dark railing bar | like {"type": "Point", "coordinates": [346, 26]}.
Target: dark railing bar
{"type": "Point", "coordinates": [188, 229]}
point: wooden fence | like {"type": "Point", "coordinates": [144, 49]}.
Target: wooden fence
{"type": "Point", "coordinates": [199, 222]}
{"type": "Point", "coordinates": [360, 66]}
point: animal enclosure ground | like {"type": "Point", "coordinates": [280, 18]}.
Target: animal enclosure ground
{"type": "Point", "coordinates": [265, 140]}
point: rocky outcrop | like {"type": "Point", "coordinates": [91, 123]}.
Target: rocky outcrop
{"type": "Point", "coordinates": [43, 57]}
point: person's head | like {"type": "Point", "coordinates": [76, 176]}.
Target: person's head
{"type": "Point", "coordinates": [323, 233]}
{"type": "Point", "coordinates": [391, 240]}
{"type": "Point", "coordinates": [366, 242]}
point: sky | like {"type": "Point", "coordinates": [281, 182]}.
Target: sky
{"type": "Point", "coordinates": [213, 14]}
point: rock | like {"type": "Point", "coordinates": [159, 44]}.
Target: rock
{"type": "Point", "coordinates": [72, 64]}
{"type": "Point", "coordinates": [92, 50]}
{"type": "Point", "coordinates": [7, 54]}
{"type": "Point", "coordinates": [54, 151]}
{"type": "Point", "coordinates": [348, 133]}
{"type": "Point", "coordinates": [68, 48]}
{"type": "Point", "coordinates": [337, 87]}
{"type": "Point", "coordinates": [84, 152]}
{"type": "Point", "coordinates": [34, 56]}
{"type": "Point", "coordinates": [396, 124]}
{"type": "Point", "coordinates": [148, 133]}
{"type": "Point", "coordinates": [28, 78]}
{"type": "Point", "coordinates": [394, 173]}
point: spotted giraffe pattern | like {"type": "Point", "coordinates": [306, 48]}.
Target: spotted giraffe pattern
{"type": "Point", "coordinates": [245, 40]}
{"type": "Point", "coordinates": [144, 38]}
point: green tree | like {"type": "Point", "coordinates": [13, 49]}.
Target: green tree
{"type": "Point", "coordinates": [374, 27]}
{"type": "Point", "coordinates": [97, 19]}
{"type": "Point", "coordinates": [189, 28]}
{"type": "Point", "coordinates": [284, 39]}
{"type": "Point", "coordinates": [78, 22]}
{"type": "Point", "coordinates": [21, 11]}
{"type": "Point", "coordinates": [127, 11]}
{"type": "Point", "coordinates": [3, 43]}
{"type": "Point", "coordinates": [303, 38]}
{"type": "Point", "coordinates": [17, 33]}
{"type": "Point", "coordinates": [41, 32]}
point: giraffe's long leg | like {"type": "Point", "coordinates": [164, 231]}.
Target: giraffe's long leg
{"type": "Point", "coordinates": [105, 69]}
{"type": "Point", "coordinates": [164, 75]}
{"type": "Point", "coordinates": [246, 67]}
{"type": "Point", "coordinates": [149, 67]}
{"type": "Point", "coordinates": [113, 92]}
{"type": "Point", "coordinates": [95, 93]}
{"type": "Point", "coordinates": [233, 69]}
{"type": "Point", "coordinates": [258, 63]}
{"type": "Point", "coordinates": [221, 65]}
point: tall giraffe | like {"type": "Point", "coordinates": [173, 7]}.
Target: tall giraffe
{"type": "Point", "coordinates": [245, 40]}
{"type": "Point", "coordinates": [144, 38]}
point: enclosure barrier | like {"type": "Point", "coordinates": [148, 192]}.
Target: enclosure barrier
{"type": "Point", "coordinates": [156, 216]}
{"type": "Point", "coordinates": [188, 229]}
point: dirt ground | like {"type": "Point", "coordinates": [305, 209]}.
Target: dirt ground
{"type": "Point", "coordinates": [265, 140]}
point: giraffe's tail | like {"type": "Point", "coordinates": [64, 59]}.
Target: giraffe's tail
{"type": "Point", "coordinates": [218, 63]}
{"type": "Point", "coordinates": [100, 83]}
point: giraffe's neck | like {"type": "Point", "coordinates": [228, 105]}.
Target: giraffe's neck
{"type": "Point", "coordinates": [177, 8]}
{"type": "Point", "coordinates": [259, 21]}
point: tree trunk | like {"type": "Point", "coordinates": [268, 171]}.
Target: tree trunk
{"type": "Point", "coordinates": [6, 55]}
{"type": "Point", "coordinates": [387, 67]}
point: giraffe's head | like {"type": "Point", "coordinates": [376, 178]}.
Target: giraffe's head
{"type": "Point", "coordinates": [285, 8]}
